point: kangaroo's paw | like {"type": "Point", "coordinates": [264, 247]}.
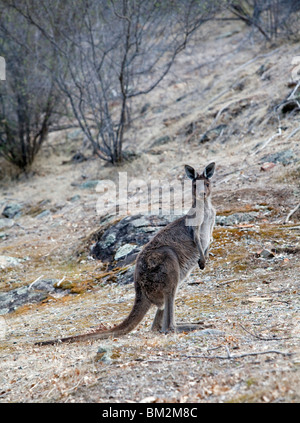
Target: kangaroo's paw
{"type": "Point", "coordinates": [201, 264]}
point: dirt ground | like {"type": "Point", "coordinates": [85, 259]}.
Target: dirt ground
{"type": "Point", "coordinates": [228, 88]}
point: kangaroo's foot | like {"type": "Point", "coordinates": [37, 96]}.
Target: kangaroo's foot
{"type": "Point", "coordinates": [185, 327]}
{"type": "Point", "coordinates": [188, 327]}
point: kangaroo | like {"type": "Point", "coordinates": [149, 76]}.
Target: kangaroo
{"type": "Point", "coordinates": [165, 261]}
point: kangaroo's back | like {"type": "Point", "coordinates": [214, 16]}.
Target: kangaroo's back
{"type": "Point", "coordinates": [176, 237]}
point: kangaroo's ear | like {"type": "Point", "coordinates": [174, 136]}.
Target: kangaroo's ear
{"type": "Point", "coordinates": [209, 170]}
{"type": "Point", "coordinates": [190, 172]}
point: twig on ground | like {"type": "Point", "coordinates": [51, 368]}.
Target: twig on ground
{"type": "Point", "coordinates": [292, 95]}
{"type": "Point", "coordinates": [215, 348]}
{"type": "Point", "coordinates": [30, 286]}
{"type": "Point", "coordinates": [226, 282]}
{"type": "Point", "coordinates": [234, 357]}
{"type": "Point", "coordinates": [278, 133]}
{"type": "Point", "coordinates": [262, 338]}
{"type": "Point", "coordinates": [224, 108]}
{"type": "Point", "coordinates": [292, 212]}
{"type": "Point", "coordinates": [60, 281]}
{"type": "Point", "coordinates": [293, 133]}
{"type": "Point", "coordinates": [228, 352]}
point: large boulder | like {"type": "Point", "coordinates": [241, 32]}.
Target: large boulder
{"type": "Point", "coordinates": [121, 242]}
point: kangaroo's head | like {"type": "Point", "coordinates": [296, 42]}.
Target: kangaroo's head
{"type": "Point", "coordinates": [201, 182]}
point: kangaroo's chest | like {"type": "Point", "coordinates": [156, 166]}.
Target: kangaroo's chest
{"type": "Point", "coordinates": [206, 227]}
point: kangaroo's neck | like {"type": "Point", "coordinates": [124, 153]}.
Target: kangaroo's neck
{"type": "Point", "coordinates": [195, 216]}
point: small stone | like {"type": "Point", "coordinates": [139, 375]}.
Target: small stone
{"type": "Point", "coordinates": [145, 108]}
{"type": "Point", "coordinates": [124, 250]}
{"type": "Point", "coordinates": [264, 253]}
{"type": "Point", "coordinates": [12, 210]}
{"type": "Point", "coordinates": [74, 198]}
{"type": "Point", "coordinates": [267, 166]}
{"type": "Point", "coordinates": [236, 218]}
{"type": "Point", "coordinates": [47, 285]}
{"type": "Point", "coordinates": [43, 214]}
{"type": "Point", "coordinates": [208, 332]}
{"type": "Point", "coordinates": [33, 293]}
{"type": "Point", "coordinates": [161, 141]}
{"type": "Point", "coordinates": [89, 184]}
{"type": "Point", "coordinates": [7, 261]}
{"type": "Point", "coordinates": [285, 157]}
{"type": "Point", "coordinates": [103, 354]}
{"type": "Point", "coordinates": [6, 223]}
{"type": "Point", "coordinates": [109, 240]}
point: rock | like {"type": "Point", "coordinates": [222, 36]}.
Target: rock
{"type": "Point", "coordinates": [7, 261]}
{"type": "Point", "coordinates": [108, 240]}
{"type": "Point", "coordinates": [103, 354]}
{"type": "Point", "coordinates": [132, 230]}
{"type": "Point", "coordinates": [145, 108]}
{"type": "Point", "coordinates": [10, 301]}
{"type": "Point", "coordinates": [121, 242]}
{"type": "Point", "coordinates": [264, 253]}
{"type": "Point", "coordinates": [124, 250]}
{"type": "Point", "coordinates": [208, 332]}
{"type": "Point", "coordinates": [46, 285]}
{"type": "Point", "coordinates": [12, 210]}
{"type": "Point", "coordinates": [212, 133]}
{"type": "Point", "coordinates": [129, 155]}
{"type": "Point", "coordinates": [76, 158]}
{"type": "Point", "coordinates": [43, 214]}
{"type": "Point", "coordinates": [6, 223]}
{"type": "Point", "coordinates": [285, 157]}
{"type": "Point", "coordinates": [290, 106]}
{"type": "Point", "coordinates": [89, 184]}
{"type": "Point", "coordinates": [181, 98]}
{"type": "Point", "coordinates": [236, 218]}
{"type": "Point", "coordinates": [33, 293]}
{"type": "Point", "coordinates": [74, 198]}
{"type": "Point", "coordinates": [267, 166]}
{"type": "Point", "coordinates": [161, 141]}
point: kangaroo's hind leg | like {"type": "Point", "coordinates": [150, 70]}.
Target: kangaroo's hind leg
{"type": "Point", "coordinates": [169, 313]}
{"type": "Point", "coordinates": [158, 320]}
{"type": "Point", "coordinates": [164, 320]}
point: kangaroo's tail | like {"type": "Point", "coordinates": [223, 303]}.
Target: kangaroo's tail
{"type": "Point", "coordinates": [139, 310]}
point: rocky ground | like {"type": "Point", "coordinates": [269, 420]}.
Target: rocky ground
{"type": "Point", "coordinates": [66, 269]}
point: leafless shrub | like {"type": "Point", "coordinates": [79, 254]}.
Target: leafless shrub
{"type": "Point", "coordinates": [271, 18]}
{"type": "Point", "coordinates": [109, 52]}
{"type": "Point", "coordinates": [28, 97]}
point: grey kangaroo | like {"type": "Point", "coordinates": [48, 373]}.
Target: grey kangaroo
{"type": "Point", "coordinates": [165, 261]}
